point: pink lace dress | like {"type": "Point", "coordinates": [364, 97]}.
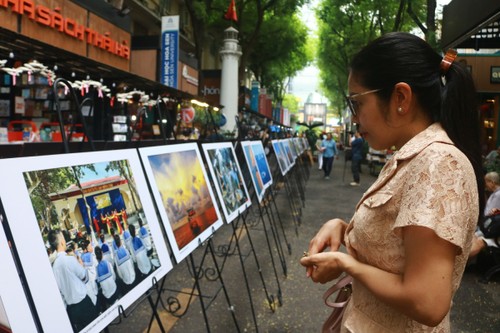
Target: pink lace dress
{"type": "Point", "coordinates": [429, 183]}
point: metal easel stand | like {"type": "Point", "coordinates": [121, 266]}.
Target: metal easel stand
{"type": "Point", "coordinates": [299, 182]}
{"type": "Point", "coordinates": [273, 264]}
{"type": "Point", "coordinates": [198, 272]}
{"type": "Point", "coordinates": [294, 211]}
{"type": "Point", "coordinates": [272, 204]}
{"type": "Point", "coordinates": [297, 190]}
{"type": "Point", "coordinates": [122, 314]}
{"type": "Point", "coordinates": [306, 166]}
{"type": "Point", "coordinates": [294, 207]}
{"type": "Point", "coordinates": [266, 204]}
{"type": "Point", "coordinates": [236, 237]}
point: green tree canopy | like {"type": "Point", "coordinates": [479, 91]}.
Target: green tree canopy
{"type": "Point", "coordinates": [291, 102]}
{"type": "Point", "coordinates": [261, 23]}
{"type": "Point", "coordinates": [280, 53]}
{"type": "Point", "coordinates": [345, 26]}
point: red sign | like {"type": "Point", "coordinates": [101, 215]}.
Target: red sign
{"type": "Point", "coordinates": [53, 19]}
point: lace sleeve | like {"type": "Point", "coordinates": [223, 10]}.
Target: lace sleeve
{"type": "Point", "coordinates": [441, 194]}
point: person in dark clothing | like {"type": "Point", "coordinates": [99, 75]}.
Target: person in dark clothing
{"type": "Point", "coordinates": [357, 157]}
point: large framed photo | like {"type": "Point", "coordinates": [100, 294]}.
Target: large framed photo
{"type": "Point", "coordinates": [226, 175]}
{"type": "Point", "coordinates": [280, 156]}
{"type": "Point", "coordinates": [86, 232]}
{"type": "Point", "coordinates": [15, 314]}
{"type": "Point", "coordinates": [183, 195]}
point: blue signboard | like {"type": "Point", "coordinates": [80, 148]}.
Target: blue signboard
{"type": "Point", "coordinates": [169, 66]}
{"type": "Point", "coordinates": [254, 96]}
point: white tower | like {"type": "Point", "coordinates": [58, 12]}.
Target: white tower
{"type": "Point", "coordinates": [230, 55]}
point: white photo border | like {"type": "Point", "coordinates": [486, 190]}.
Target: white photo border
{"type": "Point", "coordinates": [230, 215]}
{"type": "Point", "coordinates": [146, 152]}
{"type": "Point", "coordinates": [31, 248]}
{"type": "Point", "coordinates": [280, 156]}
{"type": "Point", "coordinates": [288, 153]}
{"type": "Point", "coordinates": [262, 163]}
{"type": "Point", "coordinates": [254, 172]}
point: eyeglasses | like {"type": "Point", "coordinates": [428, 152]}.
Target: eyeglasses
{"type": "Point", "coordinates": [352, 103]}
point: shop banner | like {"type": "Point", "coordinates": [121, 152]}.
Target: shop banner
{"type": "Point", "coordinates": [169, 67]}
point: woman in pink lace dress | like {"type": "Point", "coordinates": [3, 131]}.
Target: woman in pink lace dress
{"type": "Point", "coordinates": [408, 241]}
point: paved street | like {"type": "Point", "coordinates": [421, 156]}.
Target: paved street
{"type": "Point", "coordinates": [283, 299]}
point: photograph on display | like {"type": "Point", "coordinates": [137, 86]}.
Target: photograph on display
{"type": "Point", "coordinates": [293, 148]}
{"type": "Point", "coordinates": [253, 169]}
{"type": "Point", "coordinates": [262, 165]}
{"type": "Point", "coordinates": [288, 152]}
{"type": "Point", "coordinates": [15, 314]}
{"type": "Point", "coordinates": [299, 145]}
{"type": "Point", "coordinates": [91, 216]}
{"type": "Point", "coordinates": [226, 174]}
{"type": "Point", "coordinates": [280, 156]}
{"type": "Point", "coordinates": [183, 195]}
{"type": "Point", "coordinates": [305, 143]}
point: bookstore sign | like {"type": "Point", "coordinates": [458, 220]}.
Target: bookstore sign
{"type": "Point", "coordinates": [67, 25]}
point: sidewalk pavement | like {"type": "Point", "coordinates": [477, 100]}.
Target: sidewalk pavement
{"type": "Point", "coordinates": [292, 303]}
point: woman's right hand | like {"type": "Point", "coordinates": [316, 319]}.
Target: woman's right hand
{"type": "Point", "coordinates": [330, 235]}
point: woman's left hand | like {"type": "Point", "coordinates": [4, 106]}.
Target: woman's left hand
{"type": "Point", "coordinates": [327, 266]}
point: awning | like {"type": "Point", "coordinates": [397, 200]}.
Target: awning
{"type": "Point", "coordinates": [471, 24]}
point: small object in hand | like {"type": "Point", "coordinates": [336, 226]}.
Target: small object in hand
{"type": "Point", "coordinates": [305, 254]}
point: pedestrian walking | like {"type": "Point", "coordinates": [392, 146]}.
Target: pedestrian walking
{"type": "Point", "coordinates": [329, 149]}
{"type": "Point", "coordinates": [356, 157]}
{"type": "Point", "coordinates": [319, 152]}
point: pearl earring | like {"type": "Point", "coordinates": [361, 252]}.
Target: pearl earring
{"type": "Point", "coordinates": [400, 110]}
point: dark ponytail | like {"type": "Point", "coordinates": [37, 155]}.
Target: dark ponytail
{"type": "Point", "coordinates": [461, 120]}
{"type": "Point", "coordinates": [452, 100]}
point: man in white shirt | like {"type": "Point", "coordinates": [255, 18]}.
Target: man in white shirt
{"type": "Point", "coordinates": [71, 278]}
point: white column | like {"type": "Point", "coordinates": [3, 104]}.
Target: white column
{"type": "Point", "coordinates": [230, 55]}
